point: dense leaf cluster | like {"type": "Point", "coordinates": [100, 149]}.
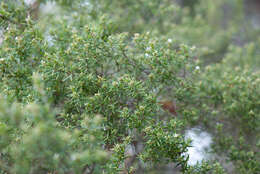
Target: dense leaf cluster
{"type": "Point", "coordinates": [81, 88]}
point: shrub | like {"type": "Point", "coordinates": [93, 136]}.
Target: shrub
{"type": "Point", "coordinates": [82, 90]}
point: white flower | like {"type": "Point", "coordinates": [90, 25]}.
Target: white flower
{"type": "Point", "coordinates": [175, 135]}
{"type": "Point", "coordinates": [136, 34]}
{"type": "Point", "coordinates": [114, 84]}
{"type": "Point", "coordinates": [169, 40]}
{"type": "Point", "coordinates": [147, 55]}
{"type": "Point", "coordinates": [197, 68]}
{"type": "Point", "coordinates": [148, 48]}
{"type": "Point", "coordinates": [2, 59]}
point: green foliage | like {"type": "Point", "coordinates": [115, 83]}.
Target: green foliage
{"type": "Point", "coordinates": [32, 141]}
{"type": "Point", "coordinates": [227, 93]}
{"type": "Point", "coordinates": [80, 90]}
{"type": "Point", "coordinates": [160, 135]}
{"type": "Point", "coordinates": [206, 167]}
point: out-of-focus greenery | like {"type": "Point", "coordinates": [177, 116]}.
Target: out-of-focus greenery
{"type": "Point", "coordinates": [229, 94]}
{"type": "Point", "coordinates": [81, 85]}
